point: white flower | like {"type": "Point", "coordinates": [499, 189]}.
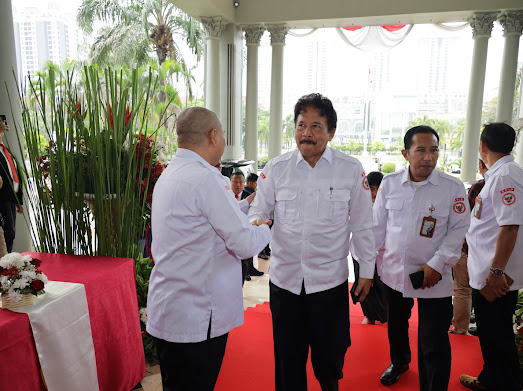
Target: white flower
{"type": "Point", "coordinates": [9, 260]}
{"type": "Point", "coordinates": [126, 144]}
{"type": "Point", "coordinates": [20, 283]}
{"type": "Point", "coordinates": [5, 283]}
{"type": "Point", "coordinates": [162, 158]}
{"type": "Point", "coordinates": [143, 315]}
{"type": "Point", "coordinates": [14, 296]}
{"type": "Point", "coordinates": [42, 277]}
{"type": "Point", "coordinates": [29, 274]}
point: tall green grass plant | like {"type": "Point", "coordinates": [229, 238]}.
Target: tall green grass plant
{"type": "Point", "coordinates": [85, 195]}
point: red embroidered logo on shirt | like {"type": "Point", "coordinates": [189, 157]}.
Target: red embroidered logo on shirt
{"type": "Point", "coordinates": [507, 189]}
{"type": "Point", "coordinates": [262, 175]}
{"type": "Point", "coordinates": [365, 183]}
{"type": "Point", "coordinates": [363, 173]}
{"type": "Point", "coordinates": [508, 199]}
{"type": "Point", "coordinates": [227, 188]}
{"type": "Point", "coordinates": [459, 207]}
{"type": "Point", "coordinates": [459, 199]}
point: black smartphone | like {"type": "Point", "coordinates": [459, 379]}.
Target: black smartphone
{"type": "Point", "coordinates": [353, 294]}
{"type": "Point", "coordinates": [4, 118]}
{"type": "Point", "coordinates": [417, 278]}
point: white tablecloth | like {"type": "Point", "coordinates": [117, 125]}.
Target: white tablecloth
{"type": "Point", "coordinates": [62, 333]}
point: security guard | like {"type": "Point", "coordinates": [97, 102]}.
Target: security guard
{"type": "Point", "coordinates": [420, 217]}
{"type": "Point", "coordinates": [495, 260]}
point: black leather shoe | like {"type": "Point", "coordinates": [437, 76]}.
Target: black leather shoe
{"type": "Point", "coordinates": [255, 272]}
{"type": "Point", "coordinates": [393, 373]}
{"type": "Point", "coordinates": [263, 256]}
{"type": "Point", "coordinates": [247, 278]}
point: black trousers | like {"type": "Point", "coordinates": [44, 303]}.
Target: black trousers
{"type": "Point", "coordinates": [434, 357]}
{"type": "Point", "coordinates": [8, 211]}
{"type": "Point", "coordinates": [501, 371]}
{"type": "Point", "coordinates": [319, 320]}
{"type": "Point", "coordinates": [191, 366]}
{"type": "Point", "coordinates": [245, 268]}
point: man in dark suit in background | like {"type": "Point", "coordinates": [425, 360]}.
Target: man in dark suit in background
{"type": "Point", "coordinates": [10, 190]}
{"type": "Point", "coordinates": [238, 188]}
{"type": "Point", "coordinates": [250, 185]}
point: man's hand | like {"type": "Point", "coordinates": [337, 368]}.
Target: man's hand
{"type": "Point", "coordinates": [251, 198]}
{"type": "Point", "coordinates": [498, 284]}
{"type": "Point", "coordinates": [259, 222]}
{"type": "Point", "coordinates": [431, 276]}
{"type": "Point", "coordinates": [19, 209]}
{"type": "Point", "coordinates": [363, 288]}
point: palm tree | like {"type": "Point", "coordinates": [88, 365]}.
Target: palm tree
{"type": "Point", "coordinates": [289, 129]}
{"type": "Point", "coordinates": [137, 27]}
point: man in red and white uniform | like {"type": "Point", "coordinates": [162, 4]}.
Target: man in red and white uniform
{"type": "Point", "coordinates": [495, 254]}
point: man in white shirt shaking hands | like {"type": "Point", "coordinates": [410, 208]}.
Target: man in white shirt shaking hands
{"type": "Point", "coordinates": [420, 217]}
{"type": "Point", "coordinates": [319, 197]}
{"type": "Point", "coordinates": [199, 236]}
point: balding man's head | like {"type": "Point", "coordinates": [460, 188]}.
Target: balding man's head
{"type": "Point", "coordinates": [194, 124]}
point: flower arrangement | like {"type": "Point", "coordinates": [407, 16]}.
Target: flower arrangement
{"type": "Point", "coordinates": [19, 275]}
{"type": "Point", "coordinates": [518, 327]}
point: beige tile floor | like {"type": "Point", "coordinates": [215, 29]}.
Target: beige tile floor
{"type": "Point", "coordinates": [255, 292]}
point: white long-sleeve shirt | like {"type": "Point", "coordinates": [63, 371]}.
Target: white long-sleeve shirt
{"type": "Point", "coordinates": [315, 211]}
{"type": "Point", "coordinates": [199, 236]}
{"type": "Point", "coordinates": [501, 204]}
{"type": "Point", "coordinates": [398, 215]}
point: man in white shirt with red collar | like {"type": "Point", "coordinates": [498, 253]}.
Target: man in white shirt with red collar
{"type": "Point", "coordinates": [199, 236]}
{"type": "Point", "coordinates": [319, 196]}
{"type": "Point", "coordinates": [495, 254]}
{"type": "Point", "coordinates": [420, 217]}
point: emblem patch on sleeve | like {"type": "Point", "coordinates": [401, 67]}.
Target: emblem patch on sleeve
{"type": "Point", "coordinates": [459, 207]}
{"type": "Point", "coordinates": [263, 175]}
{"type": "Point", "coordinates": [508, 198]}
{"type": "Point", "coordinates": [227, 187]}
{"type": "Point", "coordinates": [365, 184]}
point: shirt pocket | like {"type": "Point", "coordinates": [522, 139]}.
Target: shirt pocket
{"type": "Point", "coordinates": [394, 209]}
{"type": "Point", "coordinates": [286, 205]}
{"type": "Point", "coordinates": [335, 206]}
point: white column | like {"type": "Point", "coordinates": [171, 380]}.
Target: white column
{"type": "Point", "coordinates": [278, 33]}
{"type": "Point", "coordinates": [512, 22]}
{"type": "Point", "coordinates": [253, 34]}
{"type": "Point", "coordinates": [213, 27]}
{"type": "Point", "coordinates": [481, 28]}
{"type": "Point", "coordinates": [12, 111]}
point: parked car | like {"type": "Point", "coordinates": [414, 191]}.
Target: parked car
{"type": "Point", "coordinates": [379, 155]}
{"type": "Point", "coordinates": [231, 165]}
{"type": "Point", "coordinates": [455, 168]}
{"type": "Point", "coordinates": [385, 159]}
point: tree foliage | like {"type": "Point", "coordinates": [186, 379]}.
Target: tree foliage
{"type": "Point", "coordinates": [134, 29]}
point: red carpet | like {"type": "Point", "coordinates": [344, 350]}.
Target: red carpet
{"type": "Point", "coordinates": [249, 361]}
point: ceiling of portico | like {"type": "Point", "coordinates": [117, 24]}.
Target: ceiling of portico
{"type": "Point", "coordinates": [339, 13]}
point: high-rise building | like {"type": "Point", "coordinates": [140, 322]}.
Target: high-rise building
{"type": "Point", "coordinates": [44, 33]}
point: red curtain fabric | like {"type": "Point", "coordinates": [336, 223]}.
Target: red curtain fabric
{"type": "Point", "coordinates": [113, 310]}
{"type": "Point", "coordinates": [389, 28]}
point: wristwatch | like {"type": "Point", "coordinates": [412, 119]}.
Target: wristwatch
{"type": "Point", "coordinates": [497, 271]}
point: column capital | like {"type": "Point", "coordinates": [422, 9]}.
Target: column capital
{"type": "Point", "coordinates": [213, 26]}
{"type": "Point", "coordinates": [253, 33]}
{"type": "Point", "coordinates": [278, 33]}
{"type": "Point", "coordinates": [512, 22]}
{"type": "Point", "coordinates": [482, 24]}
